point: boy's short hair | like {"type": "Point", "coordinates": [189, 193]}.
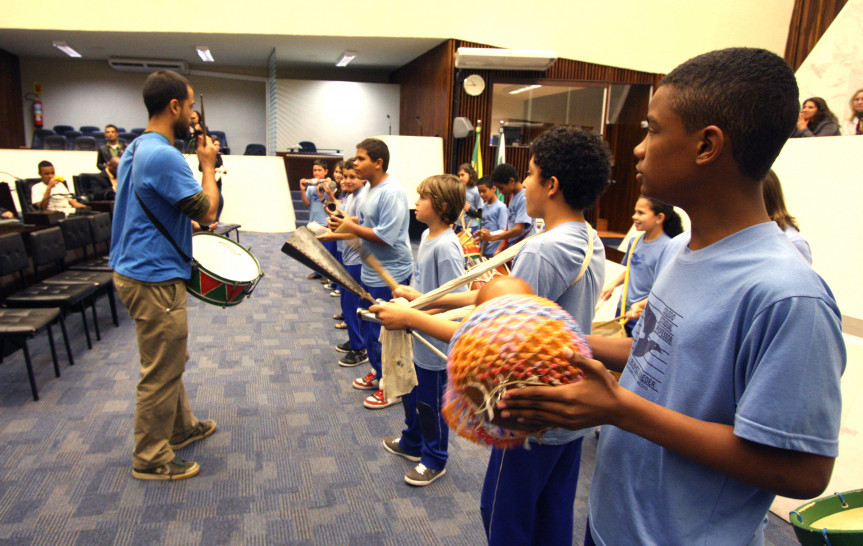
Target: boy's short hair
{"type": "Point", "coordinates": [751, 94]}
{"type": "Point", "coordinates": [43, 163]}
{"type": "Point", "coordinates": [349, 163]}
{"type": "Point", "coordinates": [485, 180]}
{"type": "Point", "coordinates": [161, 88]}
{"type": "Point", "coordinates": [578, 159]}
{"type": "Point", "coordinates": [503, 173]}
{"type": "Point", "coordinates": [321, 163]}
{"type": "Point", "coordinates": [112, 126]}
{"type": "Point", "coordinates": [447, 195]}
{"type": "Point", "coordinates": [376, 149]}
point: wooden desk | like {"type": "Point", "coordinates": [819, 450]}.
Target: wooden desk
{"type": "Point", "coordinates": [298, 165]}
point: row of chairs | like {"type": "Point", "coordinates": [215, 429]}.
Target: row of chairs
{"type": "Point", "coordinates": [39, 305]}
{"type": "Point", "coordinates": [47, 139]}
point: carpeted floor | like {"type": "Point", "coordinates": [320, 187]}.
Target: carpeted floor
{"type": "Point", "coordinates": [296, 458]}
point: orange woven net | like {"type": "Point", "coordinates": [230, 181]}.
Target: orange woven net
{"type": "Point", "coordinates": [507, 342]}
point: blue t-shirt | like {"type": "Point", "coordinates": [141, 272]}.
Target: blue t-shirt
{"type": "Point", "coordinates": [642, 267]}
{"type": "Point", "coordinates": [741, 333]}
{"type": "Point", "coordinates": [517, 214]}
{"type": "Point", "coordinates": [162, 178]}
{"type": "Point", "coordinates": [385, 209]}
{"type": "Point", "coordinates": [473, 198]}
{"type": "Point", "coordinates": [316, 206]}
{"type": "Point", "coordinates": [494, 217]}
{"type": "Point", "coordinates": [549, 263]}
{"type": "Point", "coordinates": [801, 244]}
{"type": "Point", "coordinates": [439, 261]}
{"type": "Point", "coordinates": [351, 206]}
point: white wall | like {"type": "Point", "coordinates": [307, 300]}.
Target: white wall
{"type": "Point", "coordinates": [652, 36]}
{"type": "Point", "coordinates": [80, 92]}
{"type": "Point", "coordinates": [255, 188]}
{"type": "Point", "coordinates": [821, 182]}
{"type": "Point", "coordinates": [334, 114]}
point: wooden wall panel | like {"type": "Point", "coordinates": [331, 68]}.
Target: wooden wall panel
{"type": "Point", "coordinates": [809, 20]}
{"type": "Point", "coordinates": [11, 102]}
{"type": "Point", "coordinates": [426, 91]}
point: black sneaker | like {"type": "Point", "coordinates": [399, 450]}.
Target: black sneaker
{"type": "Point", "coordinates": [422, 475]}
{"type": "Point", "coordinates": [178, 469]}
{"type": "Point", "coordinates": [201, 431]}
{"type": "Point", "coordinates": [391, 444]}
{"type": "Point", "coordinates": [353, 358]}
{"type": "Point", "coordinates": [344, 347]}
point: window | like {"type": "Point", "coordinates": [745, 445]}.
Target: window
{"type": "Point", "coordinates": [524, 110]}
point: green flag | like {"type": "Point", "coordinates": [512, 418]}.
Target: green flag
{"type": "Point", "coordinates": [476, 157]}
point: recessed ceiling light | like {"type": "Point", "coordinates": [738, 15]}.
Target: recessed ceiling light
{"type": "Point", "coordinates": [204, 54]}
{"type": "Point", "coordinates": [65, 48]}
{"type": "Point", "coordinates": [346, 57]}
{"type": "Point", "coordinates": [523, 89]}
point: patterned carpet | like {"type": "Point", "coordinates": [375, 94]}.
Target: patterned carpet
{"type": "Point", "coordinates": [296, 458]}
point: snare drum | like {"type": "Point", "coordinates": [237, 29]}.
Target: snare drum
{"type": "Point", "coordinates": [836, 520]}
{"type": "Point", "coordinates": [226, 271]}
{"type": "Point", "coordinates": [500, 271]}
{"type": "Point", "coordinates": [469, 245]}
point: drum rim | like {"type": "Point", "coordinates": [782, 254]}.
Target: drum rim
{"type": "Point", "coordinates": [853, 498]}
{"type": "Point", "coordinates": [238, 245]}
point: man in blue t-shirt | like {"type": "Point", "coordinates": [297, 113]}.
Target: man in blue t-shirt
{"type": "Point", "coordinates": [730, 391]}
{"type": "Point", "coordinates": [149, 272]}
{"type": "Point", "coordinates": [384, 220]}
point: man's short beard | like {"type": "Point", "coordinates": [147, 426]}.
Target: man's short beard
{"type": "Point", "coordinates": [181, 130]}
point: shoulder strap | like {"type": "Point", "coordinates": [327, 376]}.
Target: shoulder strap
{"type": "Point", "coordinates": [588, 256]}
{"type": "Point", "coordinates": [626, 276]}
{"type": "Point", "coordinates": [152, 216]}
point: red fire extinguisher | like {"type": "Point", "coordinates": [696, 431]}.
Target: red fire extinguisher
{"type": "Point", "coordinates": [37, 112]}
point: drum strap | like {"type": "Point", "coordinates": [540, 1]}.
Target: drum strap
{"type": "Point", "coordinates": [155, 221]}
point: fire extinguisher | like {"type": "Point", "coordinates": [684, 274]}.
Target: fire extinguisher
{"type": "Point", "coordinates": [37, 112]}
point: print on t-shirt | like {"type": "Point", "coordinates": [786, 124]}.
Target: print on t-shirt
{"type": "Point", "coordinates": [648, 361]}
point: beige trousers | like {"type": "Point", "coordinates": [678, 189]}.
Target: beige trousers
{"type": "Point", "coordinates": [161, 408]}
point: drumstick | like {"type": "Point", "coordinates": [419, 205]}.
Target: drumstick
{"type": "Point", "coordinates": [373, 262]}
{"type": "Point", "coordinates": [368, 257]}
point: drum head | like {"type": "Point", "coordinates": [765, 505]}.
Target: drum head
{"type": "Point", "coordinates": [225, 258]}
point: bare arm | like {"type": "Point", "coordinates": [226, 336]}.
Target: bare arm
{"type": "Point", "coordinates": [352, 227]}
{"type": "Point", "coordinates": [399, 317]}
{"type": "Point", "coordinates": [508, 234]}
{"type": "Point", "coordinates": [304, 183]}
{"type": "Point", "coordinates": [598, 399]}
{"type": "Point", "coordinates": [606, 293]}
{"type": "Point", "coordinates": [207, 158]}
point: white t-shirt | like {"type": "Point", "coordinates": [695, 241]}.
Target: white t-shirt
{"type": "Point", "coordinates": [59, 200]}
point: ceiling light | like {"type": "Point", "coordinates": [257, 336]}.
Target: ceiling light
{"type": "Point", "coordinates": [523, 89]}
{"type": "Point", "coordinates": [204, 54]}
{"type": "Point", "coordinates": [346, 57]}
{"type": "Point", "coordinates": [64, 47]}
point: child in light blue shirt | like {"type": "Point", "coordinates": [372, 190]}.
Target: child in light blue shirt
{"type": "Point", "coordinates": [439, 260]}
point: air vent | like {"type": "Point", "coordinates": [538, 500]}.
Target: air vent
{"type": "Point", "coordinates": [148, 65]}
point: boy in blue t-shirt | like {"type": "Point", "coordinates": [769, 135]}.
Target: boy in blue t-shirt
{"type": "Point", "coordinates": [354, 191]}
{"type": "Point", "coordinates": [519, 224]}
{"type": "Point", "coordinates": [494, 214]}
{"type": "Point", "coordinates": [384, 216]}
{"type": "Point", "coordinates": [314, 197]}
{"type": "Point", "coordinates": [439, 260]}
{"type": "Point", "coordinates": [528, 494]}
{"type": "Point", "coordinates": [730, 391]}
